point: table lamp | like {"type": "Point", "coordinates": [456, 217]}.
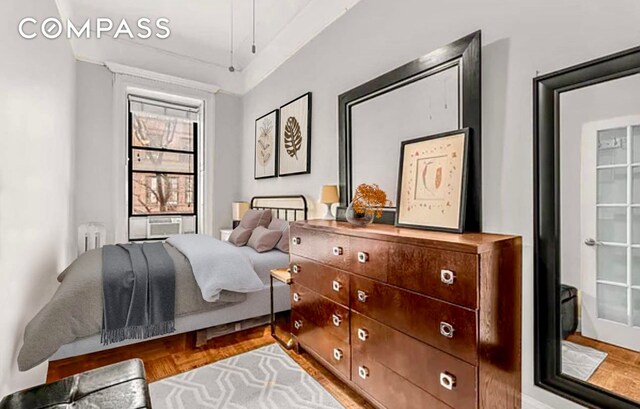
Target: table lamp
{"type": "Point", "coordinates": [238, 209]}
{"type": "Point", "coordinates": [329, 196]}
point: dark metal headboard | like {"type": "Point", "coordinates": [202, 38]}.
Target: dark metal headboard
{"type": "Point", "coordinates": [288, 207]}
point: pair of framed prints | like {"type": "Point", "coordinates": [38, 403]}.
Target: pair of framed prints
{"type": "Point", "coordinates": [432, 182]}
{"type": "Point", "coordinates": [283, 140]}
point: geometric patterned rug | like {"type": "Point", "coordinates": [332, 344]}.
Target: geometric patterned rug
{"type": "Point", "coordinates": [265, 378]}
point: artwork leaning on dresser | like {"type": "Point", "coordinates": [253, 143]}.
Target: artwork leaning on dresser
{"type": "Point", "coordinates": [411, 319]}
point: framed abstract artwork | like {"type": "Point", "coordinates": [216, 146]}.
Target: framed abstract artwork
{"type": "Point", "coordinates": [266, 152]}
{"type": "Point", "coordinates": [432, 184]}
{"type": "Point", "coordinates": [294, 157]}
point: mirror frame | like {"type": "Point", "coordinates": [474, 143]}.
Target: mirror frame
{"type": "Point", "coordinates": [465, 53]}
{"type": "Point", "coordinates": [546, 104]}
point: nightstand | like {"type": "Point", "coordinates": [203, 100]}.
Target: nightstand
{"type": "Point", "coordinates": [225, 233]}
{"type": "Point", "coordinates": [281, 322]}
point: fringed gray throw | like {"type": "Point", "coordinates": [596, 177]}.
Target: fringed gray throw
{"type": "Point", "coordinates": [139, 283]}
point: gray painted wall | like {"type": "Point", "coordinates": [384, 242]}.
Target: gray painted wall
{"type": "Point", "coordinates": [520, 39]}
{"type": "Point", "coordinates": [37, 111]}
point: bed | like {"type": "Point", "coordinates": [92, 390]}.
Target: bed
{"type": "Point", "coordinates": [226, 316]}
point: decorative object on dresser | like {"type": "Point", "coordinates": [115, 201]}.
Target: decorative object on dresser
{"type": "Point", "coordinates": [432, 184]}
{"type": "Point", "coordinates": [294, 157]}
{"type": "Point", "coordinates": [329, 196]}
{"type": "Point", "coordinates": [367, 204]}
{"type": "Point", "coordinates": [266, 140]}
{"type": "Point", "coordinates": [281, 323]}
{"type": "Point", "coordinates": [435, 93]}
{"type": "Point", "coordinates": [411, 319]}
{"type": "Point", "coordinates": [238, 209]}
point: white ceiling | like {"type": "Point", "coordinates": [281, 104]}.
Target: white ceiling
{"type": "Point", "coordinates": [199, 45]}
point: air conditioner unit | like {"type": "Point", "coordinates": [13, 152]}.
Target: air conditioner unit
{"type": "Point", "coordinates": [161, 227]}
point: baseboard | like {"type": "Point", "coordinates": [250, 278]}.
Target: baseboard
{"type": "Point", "coordinates": [530, 403]}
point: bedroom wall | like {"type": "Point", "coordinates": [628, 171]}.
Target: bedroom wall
{"type": "Point", "coordinates": [37, 110]}
{"type": "Point", "coordinates": [520, 39]}
{"type": "Point", "coordinates": [99, 174]}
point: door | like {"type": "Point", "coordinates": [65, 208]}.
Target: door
{"type": "Point", "coordinates": [610, 223]}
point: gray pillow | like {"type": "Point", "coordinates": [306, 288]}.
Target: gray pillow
{"type": "Point", "coordinates": [283, 226]}
{"type": "Point", "coordinates": [263, 239]}
{"type": "Point", "coordinates": [240, 236]}
{"type": "Point", "coordinates": [254, 218]}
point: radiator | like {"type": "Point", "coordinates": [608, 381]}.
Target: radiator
{"type": "Point", "coordinates": [91, 236]}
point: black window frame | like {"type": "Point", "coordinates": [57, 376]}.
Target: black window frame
{"type": "Point", "coordinates": [130, 173]}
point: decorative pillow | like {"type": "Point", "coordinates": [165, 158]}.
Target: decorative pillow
{"type": "Point", "coordinates": [240, 236]}
{"type": "Point", "coordinates": [283, 226]}
{"type": "Point", "coordinates": [254, 218]}
{"type": "Point", "coordinates": [263, 239]}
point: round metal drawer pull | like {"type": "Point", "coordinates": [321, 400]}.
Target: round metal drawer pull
{"type": "Point", "coordinates": [336, 286]}
{"type": "Point", "coordinates": [363, 257]}
{"type": "Point", "coordinates": [446, 329]}
{"type": "Point", "coordinates": [296, 268]}
{"type": "Point", "coordinates": [336, 320]}
{"type": "Point", "coordinates": [337, 354]}
{"type": "Point", "coordinates": [297, 324]}
{"type": "Point", "coordinates": [337, 251]}
{"type": "Point", "coordinates": [363, 334]}
{"type": "Point", "coordinates": [447, 277]}
{"type": "Point", "coordinates": [447, 380]}
{"type": "Point", "coordinates": [363, 372]}
{"type": "Point", "coordinates": [296, 297]}
{"type": "Point", "coordinates": [362, 296]}
{"type": "Point", "coordinates": [296, 240]}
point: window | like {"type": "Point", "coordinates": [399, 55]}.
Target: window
{"type": "Point", "coordinates": [163, 139]}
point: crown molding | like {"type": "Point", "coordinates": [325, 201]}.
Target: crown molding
{"type": "Point", "coordinates": [155, 76]}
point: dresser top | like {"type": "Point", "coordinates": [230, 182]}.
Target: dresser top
{"type": "Point", "coordinates": [467, 242]}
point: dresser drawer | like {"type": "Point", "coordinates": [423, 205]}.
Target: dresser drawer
{"type": "Point", "coordinates": [324, 313]}
{"type": "Point", "coordinates": [387, 387]}
{"type": "Point", "coordinates": [327, 281]}
{"type": "Point", "coordinates": [445, 326]}
{"type": "Point", "coordinates": [326, 248]}
{"type": "Point", "coordinates": [369, 258]}
{"type": "Point", "coordinates": [335, 352]}
{"type": "Point", "coordinates": [424, 365]}
{"type": "Point", "coordinates": [446, 275]}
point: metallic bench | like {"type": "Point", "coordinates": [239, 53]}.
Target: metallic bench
{"type": "Point", "coordinates": [118, 386]}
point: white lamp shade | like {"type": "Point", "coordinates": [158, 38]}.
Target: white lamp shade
{"type": "Point", "coordinates": [238, 209]}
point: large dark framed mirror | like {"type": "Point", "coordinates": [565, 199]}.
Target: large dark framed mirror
{"type": "Point", "coordinates": [587, 231]}
{"type": "Point", "coordinates": [436, 93]}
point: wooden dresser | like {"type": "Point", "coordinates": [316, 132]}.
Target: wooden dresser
{"type": "Point", "coordinates": [410, 318]}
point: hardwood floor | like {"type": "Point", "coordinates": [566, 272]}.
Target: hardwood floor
{"type": "Point", "coordinates": [176, 354]}
{"type": "Point", "coordinates": [620, 371]}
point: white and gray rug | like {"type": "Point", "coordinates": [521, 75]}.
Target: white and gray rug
{"type": "Point", "coordinates": [263, 379]}
{"type": "Point", "coordinates": [580, 362]}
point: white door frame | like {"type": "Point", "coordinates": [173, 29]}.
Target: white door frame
{"type": "Point", "coordinates": [624, 335]}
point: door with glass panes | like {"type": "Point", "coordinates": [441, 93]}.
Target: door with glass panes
{"type": "Point", "coordinates": [610, 223]}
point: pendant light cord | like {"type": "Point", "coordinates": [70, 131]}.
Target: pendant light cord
{"type": "Point", "coordinates": [231, 67]}
{"type": "Point", "coordinates": [253, 45]}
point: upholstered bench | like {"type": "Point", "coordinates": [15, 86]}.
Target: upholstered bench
{"type": "Point", "coordinates": [118, 386]}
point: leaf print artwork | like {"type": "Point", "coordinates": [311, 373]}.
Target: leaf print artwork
{"type": "Point", "coordinates": [265, 142]}
{"type": "Point", "coordinates": [292, 137]}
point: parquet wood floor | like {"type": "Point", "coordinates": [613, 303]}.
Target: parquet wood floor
{"type": "Point", "coordinates": [620, 371]}
{"type": "Point", "coordinates": [177, 354]}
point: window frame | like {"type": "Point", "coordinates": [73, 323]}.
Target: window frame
{"type": "Point", "coordinates": [130, 172]}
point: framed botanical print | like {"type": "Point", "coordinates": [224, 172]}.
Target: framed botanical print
{"type": "Point", "coordinates": [266, 140]}
{"type": "Point", "coordinates": [294, 157]}
{"type": "Point", "coordinates": [432, 184]}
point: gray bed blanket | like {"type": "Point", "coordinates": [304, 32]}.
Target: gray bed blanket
{"type": "Point", "coordinates": [75, 310]}
{"type": "Point", "coordinates": [217, 265]}
{"type": "Point", "coordinates": [139, 289]}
